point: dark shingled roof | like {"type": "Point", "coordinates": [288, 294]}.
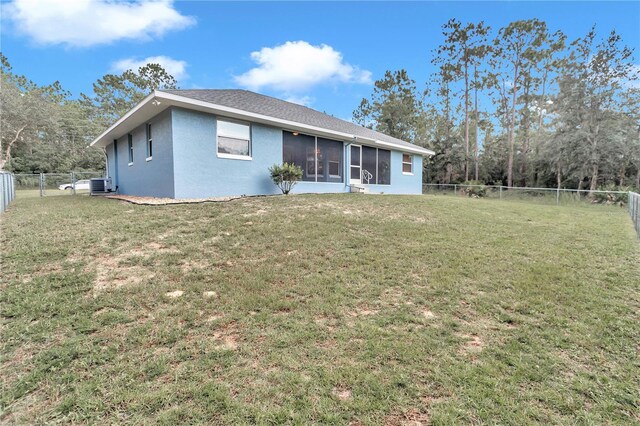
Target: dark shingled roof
{"type": "Point", "coordinates": [277, 108]}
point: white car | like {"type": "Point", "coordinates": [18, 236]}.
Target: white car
{"type": "Point", "coordinates": [80, 184]}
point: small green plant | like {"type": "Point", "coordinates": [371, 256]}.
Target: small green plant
{"type": "Point", "coordinates": [285, 176]}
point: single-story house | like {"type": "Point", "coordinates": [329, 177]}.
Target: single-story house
{"type": "Point", "coordinates": [209, 143]}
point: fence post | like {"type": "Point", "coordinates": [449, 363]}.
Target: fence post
{"type": "Point", "coordinates": [73, 183]}
{"type": "Point", "coordinates": [501, 192]}
{"type": "Point", "coordinates": [557, 196]}
{"type": "Point", "coordinates": [455, 189]}
{"type": "Point", "coordinates": [41, 180]}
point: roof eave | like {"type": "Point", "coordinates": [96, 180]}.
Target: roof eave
{"type": "Point", "coordinates": [173, 100]}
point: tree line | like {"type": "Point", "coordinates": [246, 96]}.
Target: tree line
{"type": "Point", "coordinates": [45, 130]}
{"type": "Point", "coordinates": [518, 106]}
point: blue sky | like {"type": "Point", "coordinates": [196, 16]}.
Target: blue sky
{"type": "Point", "coordinates": [323, 54]}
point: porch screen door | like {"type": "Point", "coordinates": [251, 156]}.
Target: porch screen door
{"type": "Point", "coordinates": [356, 164]}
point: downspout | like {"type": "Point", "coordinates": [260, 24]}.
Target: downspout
{"type": "Point", "coordinates": [115, 168]}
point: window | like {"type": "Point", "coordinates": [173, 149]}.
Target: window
{"type": "Point", "coordinates": [321, 160]}
{"type": "Point", "coordinates": [407, 164]}
{"type": "Point", "coordinates": [130, 143]}
{"type": "Point", "coordinates": [149, 143]}
{"type": "Point", "coordinates": [234, 139]}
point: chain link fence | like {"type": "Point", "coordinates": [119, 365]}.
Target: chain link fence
{"type": "Point", "coordinates": [539, 195]}
{"type": "Point", "coordinates": [7, 190]}
{"type": "Point", "coordinates": [53, 184]}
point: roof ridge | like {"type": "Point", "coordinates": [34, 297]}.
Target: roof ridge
{"type": "Point", "coordinates": [300, 110]}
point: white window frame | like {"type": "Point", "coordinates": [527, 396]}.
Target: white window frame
{"type": "Point", "coordinates": [130, 149]}
{"type": "Point", "coordinates": [235, 156]}
{"type": "Point", "coordinates": [410, 162]}
{"type": "Point", "coordinates": [149, 142]}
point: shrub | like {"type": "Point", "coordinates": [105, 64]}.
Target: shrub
{"type": "Point", "coordinates": [478, 190]}
{"type": "Point", "coordinates": [285, 176]}
{"type": "Point", "coordinates": [609, 197]}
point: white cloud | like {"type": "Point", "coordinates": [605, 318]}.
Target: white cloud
{"type": "Point", "coordinates": [302, 100]}
{"type": "Point", "coordinates": [175, 67]}
{"type": "Point", "coordinates": [296, 66]}
{"type": "Point", "coordinates": [83, 23]}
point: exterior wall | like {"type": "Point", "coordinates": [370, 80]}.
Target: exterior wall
{"type": "Point", "coordinates": [185, 163]}
{"type": "Point", "coordinates": [401, 183]}
{"type": "Point", "coordinates": [152, 178]}
{"type": "Point", "coordinates": [200, 173]}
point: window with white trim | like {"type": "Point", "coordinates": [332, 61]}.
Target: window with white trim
{"type": "Point", "coordinates": [407, 164]}
{"type": "Point", "coordinates": [149, 143]}
{"type": "Point", "coordinates": [130, 148]}
{"type": "Point", "coordinates": [234, 139]}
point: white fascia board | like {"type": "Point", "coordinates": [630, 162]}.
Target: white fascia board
{"type": "Point", "coordinates": [413, 150]}
{"type": "Point", "coordinates": [123, 119]}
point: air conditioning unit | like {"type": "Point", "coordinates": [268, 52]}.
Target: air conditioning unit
{"type": "Point", "coordinates": [100, 186]}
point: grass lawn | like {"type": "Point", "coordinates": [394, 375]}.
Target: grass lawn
{"type": "Point", "coordinates": [339, 309]}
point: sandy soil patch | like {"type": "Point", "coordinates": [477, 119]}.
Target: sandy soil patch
{"type": "Point", "coordinates": [342, 393]}
{"type": "Point", "coordinates": [472, 345]}
{"type": "Point", "coordinates": [157, 201]}
{"type": "Point", "coordinates": [428, 314]}
{"type": "Point", "coordinates": [194, 265]}
{"type": "Point", "coordinates": [227, 337]}
{"type": "Point", "coordinates": [412, 417]}
{"type": "Point", "coordinates": [363, 312]}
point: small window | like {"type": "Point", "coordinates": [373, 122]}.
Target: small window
{"type": "Point", "coordinates": [130, 143]}
{"type": "Point", "coordinates": [234, 139]}
{"type": "Point", "coordinates": [149, 143]}
{"type": "Point", "coordinates": [407, 164]}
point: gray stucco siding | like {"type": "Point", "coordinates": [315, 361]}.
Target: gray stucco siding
{"type": "Point", "coordinates": [153, 178]}
{"type": "Point", "coordinates": [199, 172]}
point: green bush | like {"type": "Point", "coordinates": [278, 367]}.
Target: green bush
{"type": "Point", "coordinates": [285, 176]}
{"type": "Point", "coordinates": [611, 197]}
{"type": "Point", "coordinates": [479, 190]}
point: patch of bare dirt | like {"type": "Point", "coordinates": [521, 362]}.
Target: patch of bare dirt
{"type": "Point", "coordinates": [174, 294]}
{"type": "Point", "coordinates": [259, 212]}
{"type": "Point", "coordinates": [413, 417]}
{"type": "Point", "coordinates": [428, 314]}
{"type": "Point", "coordinates": [342, 393]}
{"type": "Point", "coordinates": [363, 311]}
{"type": "Point", "coordinates": [110, 275]}
{"type": "Point", "coordinates": [227, 337]}
{"type": "Point", "coordinates": [327, 344]}
{"type": "Point", "coordinates": [157, 201]}
{"type": "Point", "coordinates": [473, 344]}
{"type": "Point", "coordinates": [214, 317]}
{"type": "Point", "coordinates": [194, 265]}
